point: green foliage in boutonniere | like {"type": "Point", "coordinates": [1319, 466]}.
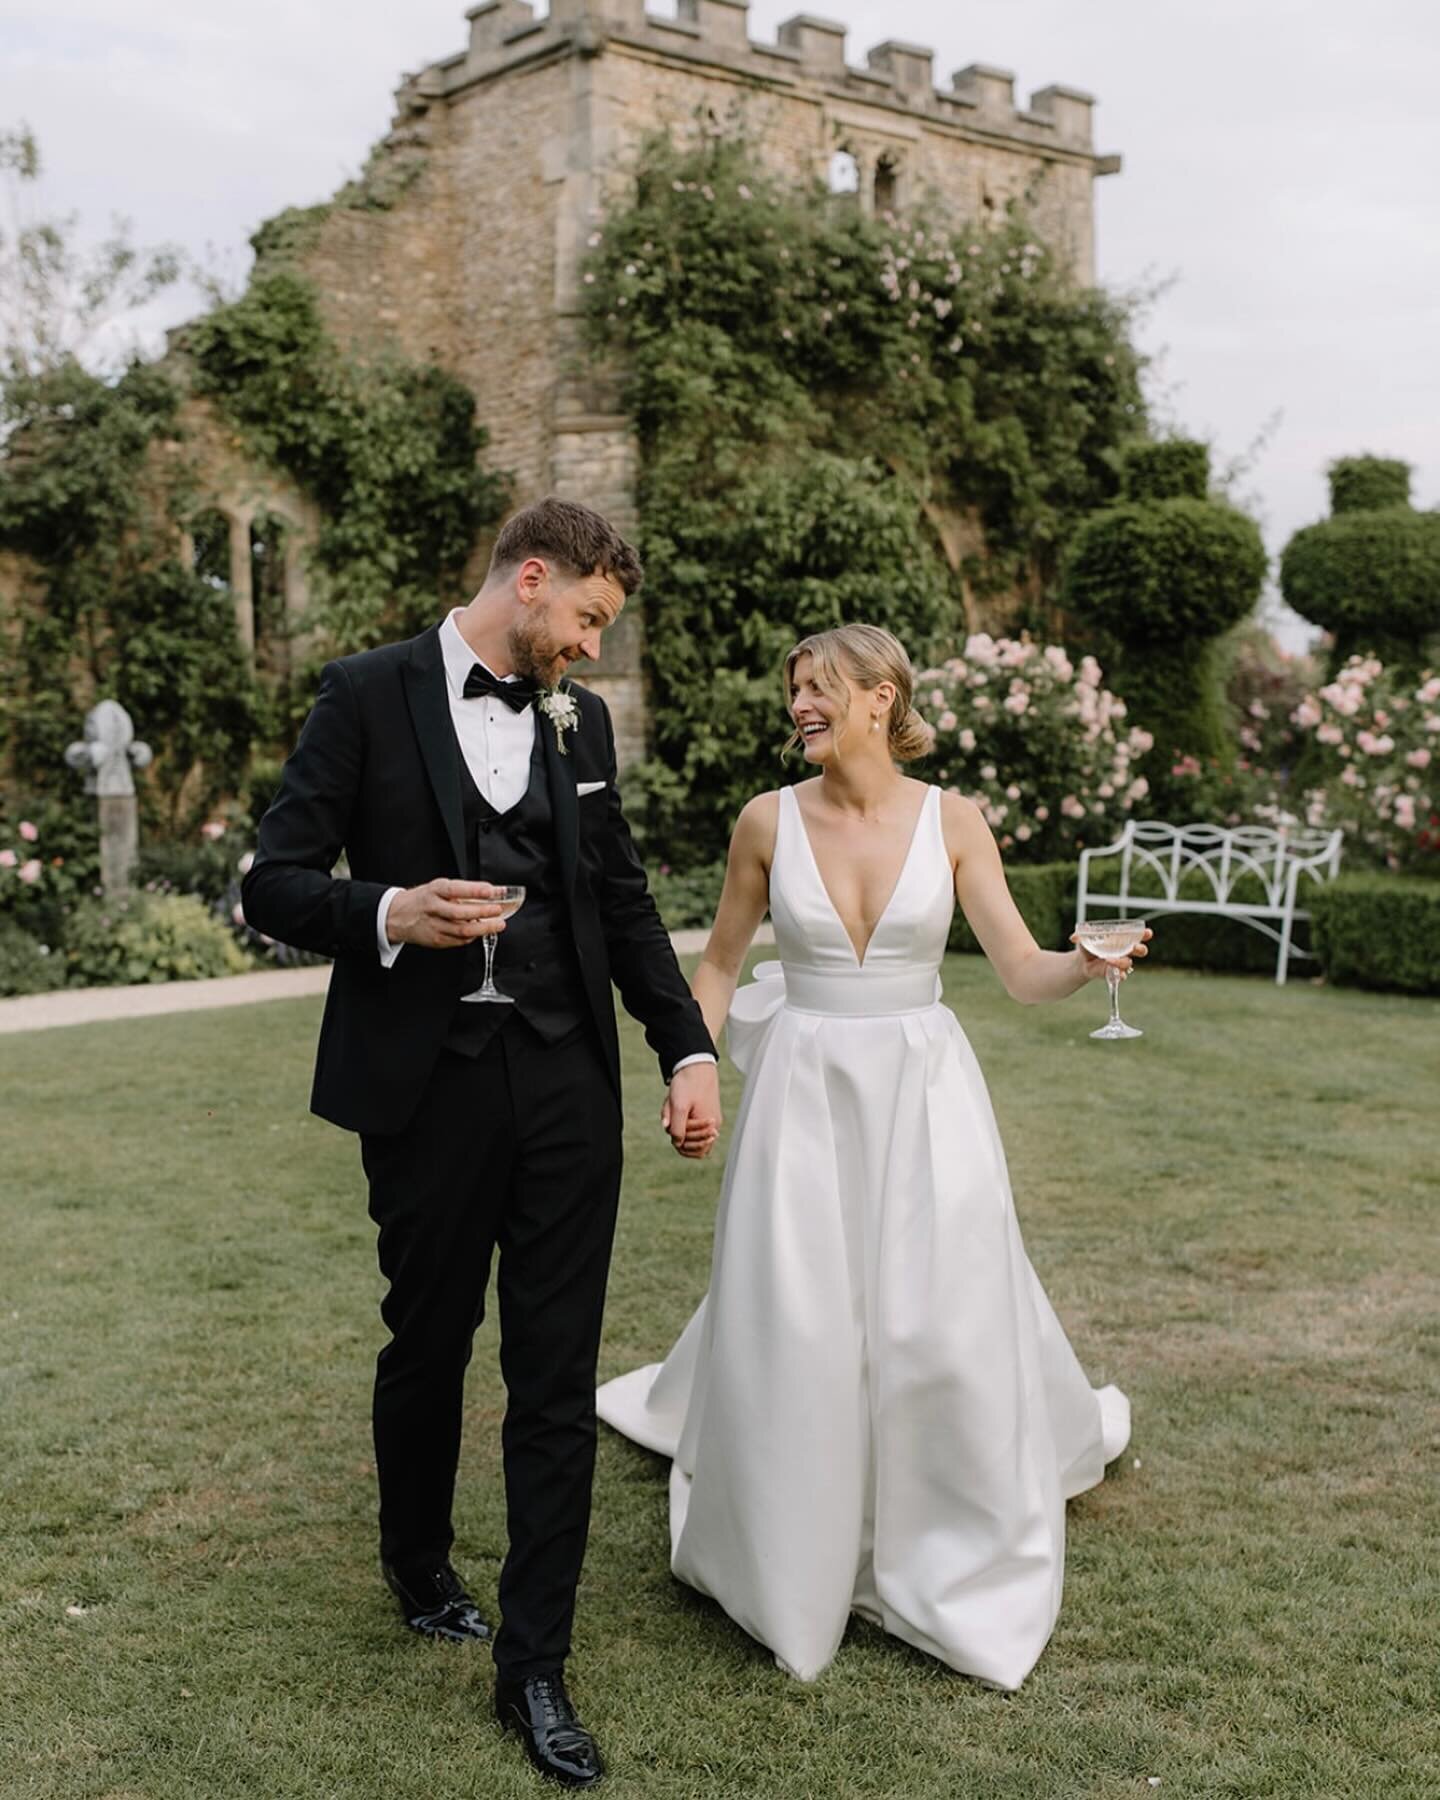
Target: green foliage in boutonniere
{"type": "Point", "coordinates": [558, 706]}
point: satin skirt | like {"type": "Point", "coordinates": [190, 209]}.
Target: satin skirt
{"type": "Point", "coordinates": [875, 1408]}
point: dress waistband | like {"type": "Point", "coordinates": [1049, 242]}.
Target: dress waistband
{"type": "Point", "coordinates": [850, 993]}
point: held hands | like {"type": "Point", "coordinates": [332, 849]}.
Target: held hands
{"type": "Point", "coordinates": [1093, 968]}
{"type": "Point", "coordinates": [445, 914]}
{"type": "Point", "coordinates": [691, 1113]}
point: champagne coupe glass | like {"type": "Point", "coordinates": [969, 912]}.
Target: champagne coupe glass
{"type": "Point", "coordinates": [1112, 939]}
{"type": "Point", "coordinates": [509, 900]}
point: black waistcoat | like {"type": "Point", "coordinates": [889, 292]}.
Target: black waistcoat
{"type": "Point", "coordinates": [535, 957]}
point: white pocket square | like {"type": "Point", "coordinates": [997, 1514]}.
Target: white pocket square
{"type": "Point", "coordinates": [582, 788]}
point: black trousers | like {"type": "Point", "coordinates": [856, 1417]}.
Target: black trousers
{"type": "Point", "coordinates": [517, 1148]}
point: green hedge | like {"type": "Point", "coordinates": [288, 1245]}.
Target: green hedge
{"type": "Point", "coordinates": [1045, 895]}
{"type": "Point", "coordinates": [1206, 941]}
{"type": "Point", "coordinates": [1046, 892]}
{"type": "Point", "coordinates": [1380, 931]}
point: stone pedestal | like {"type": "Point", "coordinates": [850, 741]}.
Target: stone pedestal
{"type": "Point", "coordinates": [119, 843]}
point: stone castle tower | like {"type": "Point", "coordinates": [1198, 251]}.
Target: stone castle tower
{"type": "Point", "coordinates": [478, 204]}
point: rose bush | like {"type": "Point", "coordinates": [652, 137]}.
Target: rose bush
{"type": "Point", "coordinates": [1376, 738]}
{"type": "Point", "coordinates": [1036, 741]}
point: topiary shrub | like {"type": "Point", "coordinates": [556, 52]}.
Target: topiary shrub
{"type": "Point", "coordinates": [1372, 579]}
{"type": "Point", "coordinates": [148, 938]}
{"type": "Point", "coordinates": [1368, 484]}
{"type": "Point", "coordinates": [1172, 469]}
{"type": "Point", "coordinates": [1164, 580]}
{"type": "Point", "coordinates": [1379, 931]}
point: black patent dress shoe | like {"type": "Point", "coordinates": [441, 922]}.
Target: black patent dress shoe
{"type": "Point", "coordinates": [555, 1741]}
{"type": "Point", "coordinates": [436, 1605]}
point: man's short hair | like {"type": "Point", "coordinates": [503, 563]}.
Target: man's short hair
{"type": "Point", "coordinates": [576, 538]}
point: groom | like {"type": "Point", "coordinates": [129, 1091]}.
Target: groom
{"type": "Point", "coordinates": [444, 768]}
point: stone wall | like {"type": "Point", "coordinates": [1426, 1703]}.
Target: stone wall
{"type": "Point", "coordinates": [501, 157]}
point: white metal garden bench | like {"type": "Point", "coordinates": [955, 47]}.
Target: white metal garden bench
{"type": "Point", "coordinates": [1277, 857]}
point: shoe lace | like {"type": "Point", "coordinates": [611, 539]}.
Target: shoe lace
{"type": "Point", "coordinates": [548, 1691]}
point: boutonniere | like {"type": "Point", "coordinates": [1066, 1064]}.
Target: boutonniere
{"type": "Point", "coordinates": [558, 706]}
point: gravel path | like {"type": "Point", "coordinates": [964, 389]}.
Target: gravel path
{"type": "Point", "coordinates": [88, 1006]}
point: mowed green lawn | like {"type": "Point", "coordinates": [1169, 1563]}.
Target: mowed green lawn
{"type": "Point", "coordinates": [1236, 1218]}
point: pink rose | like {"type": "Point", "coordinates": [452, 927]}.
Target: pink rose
{"type": "Point", "coordinates": [1350, 775]}
{"type": "Point", "coordinates": [937, 696]}
{"type": "Point", "coordinates": [31, 871]}
{"type": "Point", "coordinates": [28, 831]}
{"type": "Point", "coordinates": [1017, 704]}
{"type": "Point", "coordinates": [987, 772]}
{"type": "Point", "coordinates": [1023, 834]}
{"type": "Point", "coordinates": [1042, 813]}
{"type": "Point", "coordinates": [8, 859]}
{"type": "Point", "coordinates": [212, 829]}
{"type": "Point", "coordinates": [967, 739]}
{"type": "Point", "coordinates": [948, 721]}
{"type": "Point", "coordinates": [1072, 808]}
{"type": "Point", "coordinates": [1418, 759]}
{"type": "Point", "coordinates": [1405, 812]}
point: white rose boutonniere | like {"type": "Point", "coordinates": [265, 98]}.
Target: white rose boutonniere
{"type": "Point", "coordinates": [558, 706]}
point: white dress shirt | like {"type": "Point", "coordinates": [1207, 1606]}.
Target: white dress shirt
{"type": "Point", "coordinates": [497, 744]}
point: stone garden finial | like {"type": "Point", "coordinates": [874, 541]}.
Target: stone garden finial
{"type": "Point", "coordinates": [106, 754]}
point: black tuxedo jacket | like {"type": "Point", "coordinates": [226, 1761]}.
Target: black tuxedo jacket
{"type": "Point", "coordinates": [376, 773]}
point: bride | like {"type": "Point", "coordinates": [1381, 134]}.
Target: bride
{"type": "Point", "coordinates": [874, 1409]}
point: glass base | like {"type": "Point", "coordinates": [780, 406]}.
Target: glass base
{"type": "Point", "coordinates": [493, 996]}
{"type": "Point", "coordinates": [1116, 1029]}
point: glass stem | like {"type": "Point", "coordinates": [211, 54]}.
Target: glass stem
{"type": "Point", "coordinates": [489, 963]}
{"type": "Point", "coordinates": [1112, 981]}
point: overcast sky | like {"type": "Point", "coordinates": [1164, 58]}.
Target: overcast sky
{"type": "Point", "coordinates": [1282, 171]}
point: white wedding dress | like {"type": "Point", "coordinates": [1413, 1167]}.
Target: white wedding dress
{"type": "Point", "coordinates": [875, 1409]}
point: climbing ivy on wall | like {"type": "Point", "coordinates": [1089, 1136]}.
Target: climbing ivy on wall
{"type": "Point", "coordinates": [839, 417]}
{"type": "Point", "coordinates": [97, 482]}
{"type": "Point", "coordinates": [388, 449]}
{"type": "Point", "coordinates": [109, 609]}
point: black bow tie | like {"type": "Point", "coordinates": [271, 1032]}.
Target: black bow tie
{"type": "Point", "coordinates": [480, 684]}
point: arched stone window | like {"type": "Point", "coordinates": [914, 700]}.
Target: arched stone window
{"type": "Point", "coordinates": [269, 572]}
{"type": "Point", "coordinates": [887, 185]}
{"type": "Point", "coordinates": [210, 549]}
{"type": "Point", "coordinates": [843, 175]}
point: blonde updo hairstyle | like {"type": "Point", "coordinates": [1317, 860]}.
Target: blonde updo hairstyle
{"type": "Point", "coordinates": [868, 655]}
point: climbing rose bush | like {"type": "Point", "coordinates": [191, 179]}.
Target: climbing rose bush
{"type": "Point", "coordinates": [1037, 741]}
{"type": "Point", "coordinates": [1377, 740]}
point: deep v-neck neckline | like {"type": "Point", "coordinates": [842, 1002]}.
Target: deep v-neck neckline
{"type": "Point", "coordinates": [884, 913]}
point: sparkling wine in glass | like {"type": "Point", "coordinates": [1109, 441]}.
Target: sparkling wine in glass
{"type": "Point", "coordinates": [509, 900]}
{"type": "Point", "coordinates": [1112, 939]}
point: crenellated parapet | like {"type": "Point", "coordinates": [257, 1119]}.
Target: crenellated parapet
{"type": "Point", "coordinates": [809, 52]}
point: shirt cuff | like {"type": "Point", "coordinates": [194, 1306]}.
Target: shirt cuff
{"type": "Point", "coordinates": [388, 951]}
{"type": "Point", "coordinates": [685, 1062]}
